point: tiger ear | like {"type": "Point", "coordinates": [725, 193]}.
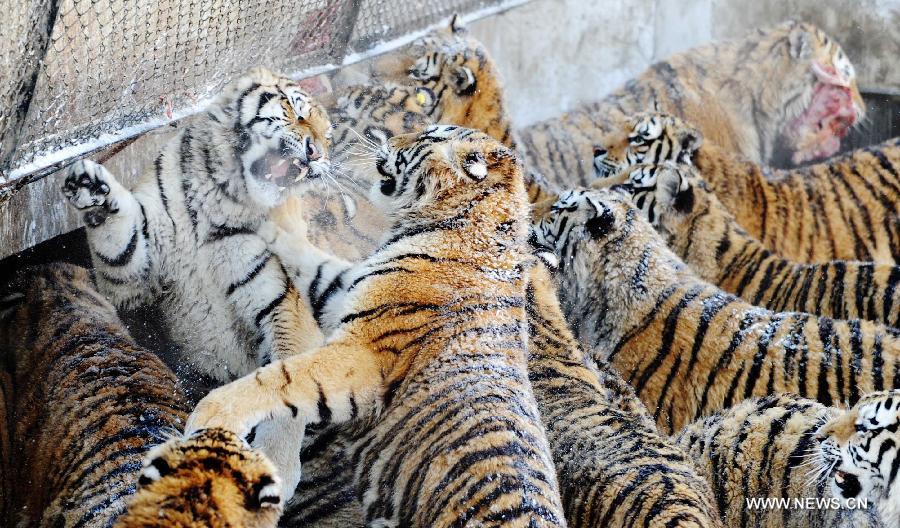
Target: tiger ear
{"type": "Point", "coordinates": [155, 470]}
{"type": "Point", "coordinates": [674, 190]}
{"type": "Point", "coordinates": [265, 492]}
{"type": "Point", "coordinates": [463, 80]}
{"type": "Point", "coordinates": [457, 26]}
{"type": "Point", "coordinates": [691, 140]}
{"type": "Point", "coordinates": [800, 42]}
{"type": "Point", "coordinates": [475, 166]}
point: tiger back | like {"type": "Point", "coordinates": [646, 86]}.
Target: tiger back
{"type": "Point", "coordinates": [688, 347]}
{"type": "Point", "coordinates": [748, 96]}
{"type": "Point", "coordinates": [614, 468]}
{"type": "Point", "coordinates": [841, 209]}
{"type": "Point", "coordinates": [89, 403]}
{"type": "Point", "coordinates": [699, 229]}
{"type": "Point", "coordinates": [426, 345]}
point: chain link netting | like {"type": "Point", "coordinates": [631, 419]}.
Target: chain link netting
{"type": "Point", "coordinates": [80, 75]}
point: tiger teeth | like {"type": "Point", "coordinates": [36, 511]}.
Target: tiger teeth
{"type": "Point", "coordinates": [296, 162]}
{"type": "Point", "coordinates": [280, 163]}
{"type": "Point", "coordinates": [268, 176]}
{"type": "Point", "coordinates": [303, 172]}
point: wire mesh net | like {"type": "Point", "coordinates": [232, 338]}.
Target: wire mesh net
{"type": "Point", "coordinates": [82, 74]}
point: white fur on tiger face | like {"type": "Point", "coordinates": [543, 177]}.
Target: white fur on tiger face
{"type": "Point", "coordinates": [859, 454]}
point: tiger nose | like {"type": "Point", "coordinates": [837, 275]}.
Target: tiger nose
{"type": "Point", "coordinates": [312, 152]}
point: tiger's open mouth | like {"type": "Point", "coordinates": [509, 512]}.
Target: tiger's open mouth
{"type": "Point", "coordinates": [282, 171]}
{"type": "Point", "coordinates": [817, 132]}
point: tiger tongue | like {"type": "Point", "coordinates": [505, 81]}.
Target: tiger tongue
{"type": "Point", "coordinates": [279, 168]}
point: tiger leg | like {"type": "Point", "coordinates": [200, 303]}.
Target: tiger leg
{"type": "Point", "coordinates": [295, 332]}
{"type": "Point", "coordinates": [116, 230]}
{"type": "Point", "coordinates": [332, 384]}
{"type": "Point", "coordinates": [311, 270]}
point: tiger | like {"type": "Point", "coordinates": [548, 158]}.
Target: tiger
{"type": "Point", "coordinates": [608, 415]}
{"type": "Point", "coordinates": [686, 346]}
{"type": "Point", "coordinates": [788, 88]}
{"type": "Point", "coordinates": [187, 235]}
{"type": "Point", "coordinates": [698, 228]}
{"type": "Point", "coordinates": [614, 468]}
{"type": "Point", "coordinates": [457, 68]}
{"type": "Point", "coordinates": [841, 209]}
{"type": "Point", "coordinates": [426, 344]}
{"type": "Point", "coordinates": [770, 449]}
{"type": "Point", "coordinates": [212, 479]}
{"type": "Point", "coordinates": [89, 403]}
{"type": "Point", "coordinates": [444, 77]}
{"type": "Point", "coordinates": [858, 452]}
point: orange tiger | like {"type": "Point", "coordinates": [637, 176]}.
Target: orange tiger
{"type": "Point", "coordinates": [426, 345]}
{"type": "Point", "coordinates": [790, 86]}
{"type": "Point", "coordinates": [845, 208]}
{"type": "Point", "coordinates": [89, 402]}
{"type": "Point", "coordinates": [688, 347]}
{"type": "Point", "coordinates": [211, 479]}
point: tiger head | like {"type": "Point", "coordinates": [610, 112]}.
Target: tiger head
{"type": "Point", "coordinates": [859, 453]}
{"type": "Point", "coordinates": [601, 241]}
{"type": "Point", "coordinates": [441, 169]}
{"type": "Point", "coordinates": [817, 100]}
{"type": "Point", "coordinates": [668, 195]}
{"type": "Point", "coordinates": [457, 69]}
{"type": "Point", "coordinates": [283, 135]}
{"type": "Point", "coordinates": [647, 137]}
{"type": "Point", "coordinates": [212, 479]}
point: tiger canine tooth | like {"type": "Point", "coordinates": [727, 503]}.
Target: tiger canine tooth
{"type": "Point", "coordinates": [303, 172]}
{"type": "Point", "coordinates": [296, 162]}
{"type": "Point", "coordinates": [268, 176]}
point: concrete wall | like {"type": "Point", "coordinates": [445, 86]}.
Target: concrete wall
{"type": "Point", "coordinates": [555, 54]}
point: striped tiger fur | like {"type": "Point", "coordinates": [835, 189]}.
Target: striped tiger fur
{"type": "Point", "coordinates": [699, 229]}
{"type": "Point", "coordinates": [841, 209]}
{"type": "Point", "coordinates": [426, 343]}
{"type": "Point", "coordinates": [859, 453]}
{"type": "Point", "coordinates": [457, 68]}
{"type": "Point", "coordinates": [686, 346]}
{"type": "Point", "coordinates": [588, 452]}
{"type": "Point", "coordinates": [769, 448]}
{"type": "Point", "coordinates": [211, 479]}
{"type": "Point", "coordinates": [614, 468]}
{"type": "Point", "coordinates": [748, 96]}
{"type": "Point", "coordinates": [188, 235]}
{"type": "Point", "coordinates": [445, 77]}
{"type": "Point", "coordinates": [448, 77]}
{"type": "Point", "coordinates": [89, 403]}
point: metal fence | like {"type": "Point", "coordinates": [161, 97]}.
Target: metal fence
{"type": "Point", "coordinates": [81, 75]}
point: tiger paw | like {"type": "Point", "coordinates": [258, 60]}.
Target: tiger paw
{"type": "Point", "coordinates": [88, 186]}
{"type": "Point", "coordinates": [226, 407]}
